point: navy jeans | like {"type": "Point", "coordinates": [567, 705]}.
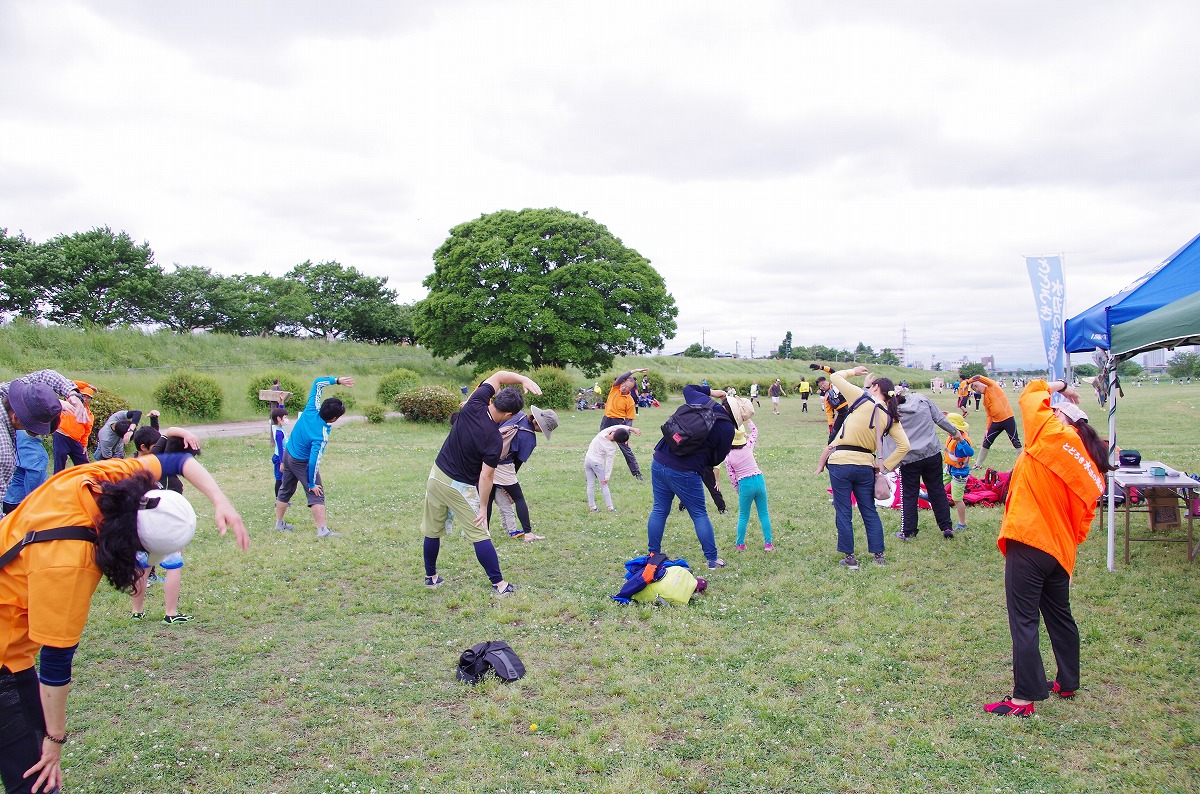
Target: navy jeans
{"type": "Point", "coordinates": [667, 483]}
{"type": "Point", "coordinates": [846, 479]}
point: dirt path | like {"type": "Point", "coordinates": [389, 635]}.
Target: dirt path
{"type": "Point", "coordinates": [253, 427]}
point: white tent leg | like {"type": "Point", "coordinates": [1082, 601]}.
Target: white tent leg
{"type": "Point", "coordinates": [1113, 460]}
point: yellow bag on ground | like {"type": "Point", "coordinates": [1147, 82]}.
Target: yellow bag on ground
{"type": "Point", "coordinates": [676, 587]}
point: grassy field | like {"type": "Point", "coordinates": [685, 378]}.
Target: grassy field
{"type": "Point", "coordinates": [327, 667]}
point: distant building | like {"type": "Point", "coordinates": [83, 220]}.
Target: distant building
{"type": "Point", "coordinates": [989, 363]}
{"type": "Point", "coordinates": [1154, 358]}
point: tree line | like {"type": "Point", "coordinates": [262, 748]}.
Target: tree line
{"type": "Point", "coordinates": [104, 278]}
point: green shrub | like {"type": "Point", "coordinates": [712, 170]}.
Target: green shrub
{"type": "Point", "coordinates": [428, 404]}
{"type": "Point", "coordinates": [191, 394]}
{"type": "Point", "coordinates": [558, 390]}
{"type": "Point", "coordinates": [294, 404]}
{"type": "Point", "coordinates": [344, 393]}
{"type": "Point", "coordinates": [374, 412]}
{"type": "Point", "coordinates": [394, 382]}
{"type": "Point", "coordinates": [103, 405]}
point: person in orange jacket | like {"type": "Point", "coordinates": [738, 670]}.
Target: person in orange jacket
{"type": "Point", "coordinates": [1051, 502]}
{"type": "Point", "coordinates": [71, 438]}
{"type": "Point", "coordinates": [999, 414]}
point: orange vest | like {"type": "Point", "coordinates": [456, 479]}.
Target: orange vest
{"type": "Point", "coordinates": [45, 593]}
{"type": "Point", "coordinates": [948, 453]}
{"type": "Point", "coordinates": [1054, 485]}
{"type": "Point", "coordinates": [71, 427]}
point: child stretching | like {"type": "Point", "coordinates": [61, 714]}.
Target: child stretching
{"type": "Point", "coordinates": [598, 462]}
{"type": "Point", "coordinates": [747, 478]}
{"type": "Point", "coordinates": [957, 455]}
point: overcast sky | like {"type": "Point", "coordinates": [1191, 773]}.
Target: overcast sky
{"type": "Point", "coordinates": [839, 170]}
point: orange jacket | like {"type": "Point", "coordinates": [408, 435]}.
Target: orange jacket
{"type": "Point", "coordinates": [46, 592]}
{"type": "Point", "coordinates": [1054, 485]}
{"type": "Point", "coordinates": [995, 401]}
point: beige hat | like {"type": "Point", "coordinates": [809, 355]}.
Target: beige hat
{"type": "Point", "coordinates": [547, 420]}
{"type": "Point", "coordinates": [1071, 411]}
{"type": "Point", "coordinates": [166, 523]}
{"type": "Point", "coordinates": [741, 408]}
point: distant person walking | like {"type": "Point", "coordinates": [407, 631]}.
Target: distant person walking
{"type": "Point", "coordinates": [805, 390]}
{"type": "Point", "coordinates": [776, 392]}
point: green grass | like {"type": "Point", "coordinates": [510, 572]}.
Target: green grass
{"type": "Point", "coordinates": [327, 667]}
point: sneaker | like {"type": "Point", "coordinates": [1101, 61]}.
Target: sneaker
{"type": "Point", "coordinates": [180, 618]}
{"type": "Point", "coordinates": [282, 527]}
{"type": "Point", "coordinates": [948, 534]}
{"type": "Point", "coordinates": [433, 581]}
{"type": "Point", "coordinates": [326, 532]}
{"type": "Point", "coordinates": [509, 589]}
{"type": "Point", "coordinates": [529, 537]}
{"type": "Point", "coordinates": [639, 478]}
{"type": "Point", "coordinates": [879, 560]}
{"type": "Point", "coordinates": [154, 577]}
{"type": "Point", "coordinates": [1006, 706]}
{"type": "Point", "coordinates": [612, 509]}
{"type": "Point", "coordinates": [850, 561]}
{"type": "Point", "coordinates": [740, 547]}
{"type": "Point", "coordinates": [959, 527]}
{"type": "Point", "coordinates": [902, 536]}
{"type": "Point", "coordinates": [1062, 693]}
{"type": "Point", "coordinates": [721, 510]}
{"type": "Point", "coordinates": [768, 547]}
{"type": "Point", "coordinates": [593, 510]}
{"type": "Point", "coordinates": [140, 615]}
{"type": "Point", "coordinates": [717, 563]}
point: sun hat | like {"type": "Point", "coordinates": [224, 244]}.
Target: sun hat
{"type": "Point", "coordinates": [741, 409]}
{"type": "Point", "coordinates": [166, 523]}
{"type": "Point", "coordinates": [547, 420]}
{"type": "Point", "coordinates": [1071, 411]}
{"type": "Point", "coordinates": [958, 421]}
{"type": "Point", "coordinates": [35, 405]}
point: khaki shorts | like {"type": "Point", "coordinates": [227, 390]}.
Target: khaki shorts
{"type": "Point", "coordinates": [448, 501]}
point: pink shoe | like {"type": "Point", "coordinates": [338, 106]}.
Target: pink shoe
{"type": "Point", "coordinates": [768, 547]}
{"type": "Point", "coordinates": [741, 547]}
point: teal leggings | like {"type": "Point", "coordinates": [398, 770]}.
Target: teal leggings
{"type": "Point", "coordinates": [753, 489]}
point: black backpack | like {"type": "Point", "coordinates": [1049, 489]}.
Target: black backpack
{"type": "Point", "coordinates": [687, 428]}
{"type": "Point", "coordinates": [497, 656]}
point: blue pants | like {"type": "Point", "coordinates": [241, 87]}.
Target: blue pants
{"type": "Point", "coordinates": [667, 483]}
{"type": "Point", "coordinates": [65, 448]}
{"type": "Point", "coordinates": [859, 480]}
{"type": "Point", "coordinates": [752, 490]}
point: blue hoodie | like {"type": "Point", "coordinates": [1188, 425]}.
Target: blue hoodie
{"type": "Point", "coordinates": [310, 434]}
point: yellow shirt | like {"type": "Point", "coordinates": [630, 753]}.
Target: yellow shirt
{"type": "Point", "coordinates": [859, 428]}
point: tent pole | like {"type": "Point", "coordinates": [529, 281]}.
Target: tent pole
{"type": "Point", "coordinates": [1112, 461]}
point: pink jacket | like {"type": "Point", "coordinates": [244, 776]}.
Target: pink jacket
{"type": "Point", "coordinates": [740, 461]}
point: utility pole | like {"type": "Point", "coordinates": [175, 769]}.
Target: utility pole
{"type": "Point", "coordinates": [752, 340]}
{"type": "Point", "coordinates": [703, 331]}
{"type": "Point", "coordinates": [736, 349]}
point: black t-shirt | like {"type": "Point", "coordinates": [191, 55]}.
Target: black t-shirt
{"type": "Point", "coordinates": [473, 441]}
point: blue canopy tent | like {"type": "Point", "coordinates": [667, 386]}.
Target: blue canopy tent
{"type": "Point", "coordinates": [1159, 310]}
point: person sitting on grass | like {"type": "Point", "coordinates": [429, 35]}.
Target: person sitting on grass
{"type": "Point", "coordinates": [303, 451]}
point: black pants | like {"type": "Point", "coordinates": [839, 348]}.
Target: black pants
{"type": "Point", "coordinates": [67, 449]}
{"type": "Point", "coordinates": [708, 476]}
{"type": "Point", "coordinates": [994, 429]}
{"type": "Point", "coordinates": [928, 471]}
{"type": "Point", "coordinates": [1035, 583]}
{"type": "Point", "coordinates": [22, 727]}
{"type": "Point", "coordinates": [626, 450]}
{"type": "Point", "coordinates": [519, 504]}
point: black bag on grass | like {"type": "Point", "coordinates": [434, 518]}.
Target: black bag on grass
{"type": "Point", "coordinates": [496, 656]}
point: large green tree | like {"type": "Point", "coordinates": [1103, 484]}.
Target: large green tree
{"type": "Point", "coordinates": [20, 292]}
{"type": "Point", "coordinates": [342, 299]}
{"type": "Point", "coordinates": [785, 347]}
{"type": "Point", "coordinates": [1183, 365]}
{"type": "Point", "coordinates": [97, 277]}
{"type": "Point", "coordinates": [542, 287]}
{"type": "Point", "coordinates": [261, 305]}
{"type": "Point", "coordinates": [191, 297]}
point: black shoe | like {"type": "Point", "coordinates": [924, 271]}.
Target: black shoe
{"type": "Point", "coordinates": [948, 534]}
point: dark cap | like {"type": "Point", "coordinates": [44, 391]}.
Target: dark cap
{"type": "Point", "coordinates": [35, 404]}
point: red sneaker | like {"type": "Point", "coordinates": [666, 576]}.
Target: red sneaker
{"type": "Point", "coordinates": [1006, 706]}
{"type": "Point", "coordinates": [1062, 693]}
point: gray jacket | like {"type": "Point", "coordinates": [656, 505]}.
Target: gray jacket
{"type": "Point", "coordinates": [108, 443]}
{"type": "Point", "coordinates": [918, 415]}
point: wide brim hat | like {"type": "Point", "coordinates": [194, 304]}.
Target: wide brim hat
{"type": "Point", "coordinates": [35, 405]}
{"type": "Point", "coordinates": [166, 523]}
{"type": "Point", "coordinates": [958, 421]}
{"type": "Point", "coordinates": [547, 419]}
{"type": "Point", "coordinates": [741, 409]}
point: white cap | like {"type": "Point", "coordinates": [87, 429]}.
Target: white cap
{"type": "Point", "coordinates": [1071, 411]}
{"type": "Point", "coordinates": [166, 523]}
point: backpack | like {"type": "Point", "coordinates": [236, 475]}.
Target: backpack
{"type": "Point", "coordinates": [998, 481]}
{"type": "Point", "coordinates": [687, 428]}
{"type": "Point", "coordinates": [496, 656]}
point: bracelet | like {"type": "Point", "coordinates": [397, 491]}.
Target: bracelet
{"type": "Point", "coordinates": [57, 740]}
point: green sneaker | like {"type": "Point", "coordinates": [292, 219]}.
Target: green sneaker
{"type": "Point", "coordinates": [180, 618]}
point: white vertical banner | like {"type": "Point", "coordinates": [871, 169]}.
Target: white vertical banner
{"type": "Point", "coordinates": [1046, 275]}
